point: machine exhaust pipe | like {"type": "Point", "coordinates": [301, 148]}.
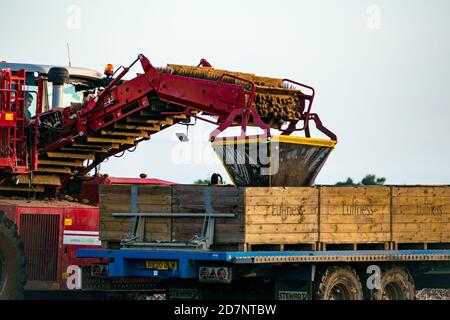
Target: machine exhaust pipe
{"type": "Point", "coordinates": [58, 77]}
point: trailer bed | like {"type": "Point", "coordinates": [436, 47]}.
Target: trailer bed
{"type": "Point", "coordinates": [129, 262]}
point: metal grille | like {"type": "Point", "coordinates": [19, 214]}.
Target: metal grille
{"type": "Point", "coordinates": [40, 234]}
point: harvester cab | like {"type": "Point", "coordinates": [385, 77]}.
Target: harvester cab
{"type": "Point", "coordinates": [32, 98]}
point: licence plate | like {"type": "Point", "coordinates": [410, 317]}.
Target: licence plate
{"type": "Point", "coordinates": [161, 265]}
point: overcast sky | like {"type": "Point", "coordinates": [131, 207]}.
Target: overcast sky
{"type": "Point", "coordinates": [381, 70]}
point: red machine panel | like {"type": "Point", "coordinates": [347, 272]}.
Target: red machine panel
{"type": "Point", "coordinates": [52, 231]}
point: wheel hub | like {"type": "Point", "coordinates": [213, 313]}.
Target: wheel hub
{"type": "Point", "coordinates": [393, 291]}
{"type": "Point", "coordinates": [339, 292]}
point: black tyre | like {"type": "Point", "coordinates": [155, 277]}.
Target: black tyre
{"type": "Point", "coordinates": [396, 284]}
{"type": "Point", "coordinates": [338, 283]}
{"type": "Point", "coordinates": [12, 261]}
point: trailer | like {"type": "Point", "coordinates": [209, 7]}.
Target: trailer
{"type": "Point", "coordinates": [323, 242]}
{"type": "Point", "coordinates": [330, 275]}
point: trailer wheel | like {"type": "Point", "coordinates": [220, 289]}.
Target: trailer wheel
{"type": "Point", "coordinates": [12, 261]}
{"type": "Point", "coordinates": [339, 283]}
{"type": "Point", "coordinates": [396, 284]}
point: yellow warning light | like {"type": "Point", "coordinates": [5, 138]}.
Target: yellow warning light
{"type": "Point", "coordinates": [109, 69]}
{"type": "Point", "coordinates": [68, 222]}
{"type": "Point", "coordinates": [9, 116]}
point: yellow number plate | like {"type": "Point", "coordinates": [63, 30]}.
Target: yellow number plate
{"type": "Point", "coordinates": [161, 265]}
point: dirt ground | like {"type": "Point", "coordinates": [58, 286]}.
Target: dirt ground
{"type": "Point", "coordinates": [433, 294]}
{"type": "Point", "coordinates": [424, 294]}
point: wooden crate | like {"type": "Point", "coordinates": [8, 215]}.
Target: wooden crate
{"type": "Point", "coordinates": [117, 199]}
{"type": "Point", "coordinates": [355, 215]}
{"type": "Point", "coordinates": [322, 218]}
{"type": "Point", "coordinates": [281, 215]}
{"type": "Point", "coordinates": [421, 214]}
{"type": "Point", "coordinates": [193, 199]}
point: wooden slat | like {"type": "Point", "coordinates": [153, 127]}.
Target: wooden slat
{"type": "Point", "coordinates": [38, 179]}
{"type": "Point", "coordinates": [108, 218]}
{"type": "Point", "coordinates": [112, 235]}
{"type": "Point", "coordinates": [354, 237]}
{"type": "Point", "coordinates": [134, 119]}
{"type": "Point", "coordinates": [125, 208]}
{"type": "Point", "coordinates": [412, 237]}
{"type": "Point", "coordinates": [76, 149]}
{"type": "Point", "coordinates": [303, 192]}
{"type": "Point", "coordinates": [124, 225]}
{"type": "Point", "coordinates": [110, 140]}
{"type": "Point", "coordinates": [144, 120]}
{"type": "Point", "coordinates": [282, 210]}
{"type": "Point", "coordinates": [153, 128]}
{"type": "Point", "coordinates": [418, 227]}
{"type": "Point", "coordinates": [281, 238]}
{"type": "Point", "coordinates": [58, 162]}
{"type": "Point", "coordinates": [281, 228]}
{"type": "Point", "coordinates": [371, 191]}
{"type": "Point", "coordinates": [269, 219]}
{"type": "Point", "coordinates": [421, 191]}
{"type": "Point", "coordinates": [338, 219]}
{"type": "Point", "coordinates": [142, 189]}
{"type": "Point", "coordinates": [368, 201]}
{"type": "Point", "coordinates": [358, 210]}
{"type": "Point", "coordinates": [281, 201]}
{"type": "Point", "coordinates": [20, 188]}
{"type": "Point", "coordinates": [55, 169]}
{"type": "Point", "coordinates": [352, 227]}
{"type": "Point", "coordinates": [142, 134]}
{"type": "Point", "coordinates": [418, 219]}
{"type": "Point", "coordinates": [84, 156]}
{"type": "Point", "coordinates": [96, 145]}
{"type": "Point", "coordinates": [157, 236]}
{"type": "Point", "coordinates": [405, 202]}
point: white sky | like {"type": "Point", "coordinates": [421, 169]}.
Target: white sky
{"type": "Point", "coordinates": [383, 91]}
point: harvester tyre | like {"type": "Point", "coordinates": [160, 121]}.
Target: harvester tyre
{"type": "Point", "coordinates": [339, 283]}
{"type": "Point", "coordinates": [12, 261]}
{"type": "Point", "coordinates": [396, 284]}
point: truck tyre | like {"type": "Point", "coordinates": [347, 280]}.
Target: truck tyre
{"type": "Point", "coordinates": [12, 261]}
{"type": "Point", "coordinates": [339, 283]}
{"type": "Point", "coordinates": [396, 284]}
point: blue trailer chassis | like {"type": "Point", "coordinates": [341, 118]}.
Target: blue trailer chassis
{"type": "Point", "coordinates": [132, 263]}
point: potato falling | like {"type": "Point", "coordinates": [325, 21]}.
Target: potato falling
{"type": "Point", "coordinates": [273, 101]}
{"type": "Point", "coordinates": [276, 106]}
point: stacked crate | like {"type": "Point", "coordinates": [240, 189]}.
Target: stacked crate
{"type": "Point", "coordinates": [279, 218]}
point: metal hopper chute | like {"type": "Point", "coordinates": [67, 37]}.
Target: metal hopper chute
{"type": "Point", "coordinates": [277, 161]}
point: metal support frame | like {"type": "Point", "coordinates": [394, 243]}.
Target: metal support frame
{"type": "Point", "coordinates": [292, 127]}
{"type": "Point", "coordinates": [16, 134]}
{"type": "Point", "coordinates": [204, 241]}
